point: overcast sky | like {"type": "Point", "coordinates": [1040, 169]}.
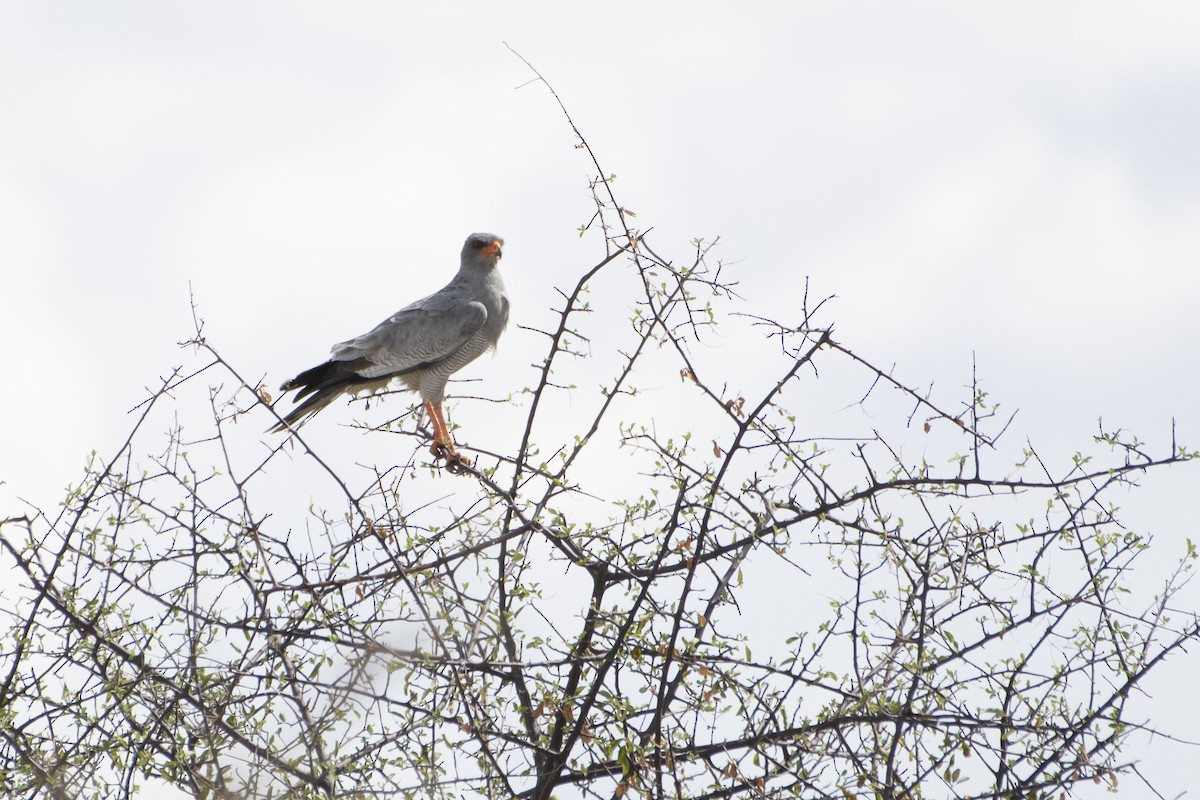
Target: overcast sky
{"type": "Point", "coordinates": [1020, 181]}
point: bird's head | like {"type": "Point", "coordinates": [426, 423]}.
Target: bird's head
{"type": "Point", "coordinates": [486, 247]}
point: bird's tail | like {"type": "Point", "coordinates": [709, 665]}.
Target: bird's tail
{"type": "Point", "coordinates": [325, 383]}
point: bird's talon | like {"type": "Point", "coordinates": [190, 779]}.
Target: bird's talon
{"type": "Point", "coordinates": [456, 463]}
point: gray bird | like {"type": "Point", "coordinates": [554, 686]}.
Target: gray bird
{"type": "Point", "coordinates": [422, 344]}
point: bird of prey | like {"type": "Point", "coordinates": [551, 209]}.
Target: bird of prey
{"type": "Point", "coordinates": [421, 344]}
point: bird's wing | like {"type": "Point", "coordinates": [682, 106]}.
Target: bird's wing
{"type": "Point", "coordinates": [415, 337]}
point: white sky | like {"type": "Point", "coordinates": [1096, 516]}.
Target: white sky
{"type": "Point", "coordinates": [1017, 180]}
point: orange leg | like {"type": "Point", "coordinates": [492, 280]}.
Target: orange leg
{"type": "Point", "coordinates": [441, 434]}
{"type": "Point", "coordinates": [443, 444]}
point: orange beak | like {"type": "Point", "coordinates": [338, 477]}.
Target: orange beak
{"type": "Point", "coordinates": [492, 249]}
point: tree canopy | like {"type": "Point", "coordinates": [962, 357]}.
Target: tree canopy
{"type": "Point", "coordinates": [682, 580]}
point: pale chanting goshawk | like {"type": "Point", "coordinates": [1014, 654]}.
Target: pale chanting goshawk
{"type": "Point", "coordinates": [421, 344]}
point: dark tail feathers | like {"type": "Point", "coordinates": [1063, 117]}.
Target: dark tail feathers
{"type": "Point", "coordinates": [325, 382]}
